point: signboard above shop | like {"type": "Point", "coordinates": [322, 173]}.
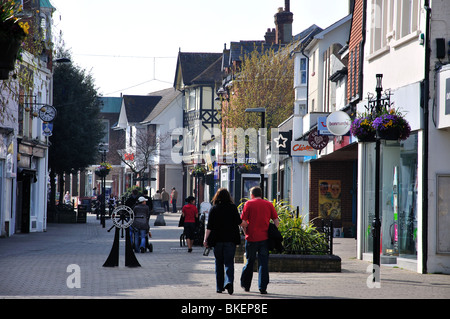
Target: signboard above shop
{"type": "Point", "coordinates": [302, 148]}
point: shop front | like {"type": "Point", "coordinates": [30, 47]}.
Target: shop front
{"type": "Point", "coordinates": [398, 200]}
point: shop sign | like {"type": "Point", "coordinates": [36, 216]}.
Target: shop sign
{"type": "Point", "coordinates": [47, 128]}
{"type": "Point", "coordinates": [322, 126]}
{"type": "Point", "coordinates": [282, 142]}
{"type": "Point", "coordinates": [302, 148]}
{"type": "Point", "coordinates": [338, 123]}
{"type": "Point", "coordinates": [128, 156]}
{"type": "Point", "coordinates": [447, 97]}
{"type": "Point", "coordinates": [317, 141]}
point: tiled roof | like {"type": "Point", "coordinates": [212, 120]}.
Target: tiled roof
{"type": "Point", "coordinates": [192, 65]}
{"type": "Point", "coordinates": [212, 74]}
{"type": "Point", "coordinates": [167, 96]}
{"type": "Point", "coordinates": [138, 107]}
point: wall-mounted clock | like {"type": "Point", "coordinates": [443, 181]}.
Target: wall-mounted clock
{"type": "Point", "coordinates": [47, 113]}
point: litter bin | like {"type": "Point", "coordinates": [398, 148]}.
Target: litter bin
{"type": "Point", "coordinates": [82, 212]}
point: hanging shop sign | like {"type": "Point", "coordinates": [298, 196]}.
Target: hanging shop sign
{"type": "Point", "coordinates": [338, 123]}
{"type": "Point", "coordinates": [317, 141]}
{"type": "Point", "coordinates": [282, 142]}
{"type": "Point", "coordinates": [47, 128]}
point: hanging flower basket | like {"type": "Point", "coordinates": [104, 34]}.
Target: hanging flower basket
{"type": "Point", "coordinates": [243, 168]}
{"type": "Point", "coordinates": [8, 55]}
{"type": "Point", "coordinates": [391, 125]}
{"type": "Point", "coordinates": [362, 128]}
{"type": "Point", "coordinates": [12, 33]}
{"type": "Point", "coordinates": [198, 170]}
{"type": "Point", "coordinates": [103, 169]}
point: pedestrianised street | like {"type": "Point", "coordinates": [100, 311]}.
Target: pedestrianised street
{"type": "Point", "coordinates": [66, 262]}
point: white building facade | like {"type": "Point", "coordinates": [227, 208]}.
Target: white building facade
{"type": "Point", "coordinates": [414, 210]}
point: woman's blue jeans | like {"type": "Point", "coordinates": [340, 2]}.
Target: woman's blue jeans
{"type": "Point", "coordinates": [224, 253]}
{"type": "Point", "coordinates": [139, 239]}
{"type": "Point", "coordinates": [251, 249]}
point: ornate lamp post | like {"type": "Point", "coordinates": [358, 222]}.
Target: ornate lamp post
{"type": "Point", "coordinates": [376, 221]}
{"type": "Point", "coordinates": [375, 107]}
{"type": "Point", "coordinates": [103, 148]}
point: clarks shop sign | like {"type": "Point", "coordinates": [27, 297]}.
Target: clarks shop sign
{"type": "Point", "coordinates": [302, 148]}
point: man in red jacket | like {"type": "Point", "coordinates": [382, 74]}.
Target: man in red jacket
{"type": "Point", "coordinates": [257, 214]}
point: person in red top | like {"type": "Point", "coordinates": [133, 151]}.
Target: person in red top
{"type": "Point", "coordinates": [190, 212]}
{"type": "Point", "coordinates": [256, 215]}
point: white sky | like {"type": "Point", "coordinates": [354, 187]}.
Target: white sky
{"type": "Point", "coordinates": [131, 46]}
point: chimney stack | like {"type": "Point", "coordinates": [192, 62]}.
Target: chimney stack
{"type": "Point", "coordinates": [283, 23]}
{"type": "Point", "coordinates": [270, 36]}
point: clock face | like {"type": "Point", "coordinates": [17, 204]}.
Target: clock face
{"type": "Point", "coordinates": [47, 113]}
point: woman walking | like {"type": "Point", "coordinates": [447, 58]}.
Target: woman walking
{"type": "Point", "coordinates": [222, 233]}
{"type": "Point", "coordinates": [190, 213]}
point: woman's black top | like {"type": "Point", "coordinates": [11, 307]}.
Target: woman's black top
{"type": "Point", "coordinates": [224, 221]}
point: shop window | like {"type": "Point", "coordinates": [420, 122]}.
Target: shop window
{"type": "Point", "coordinates": [398, 206]}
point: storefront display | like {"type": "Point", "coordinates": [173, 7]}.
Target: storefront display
{"type": "Point", "coordinates": [398, 197]}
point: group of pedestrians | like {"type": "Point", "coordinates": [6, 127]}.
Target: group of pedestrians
{"type": "Point", "coordinates": [223, 235]}
{"type": "Point", "coordinates": [165, 197]}
{"type": "Point", "coordinates": [142, 206]}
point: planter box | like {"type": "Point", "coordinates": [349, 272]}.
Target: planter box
{"type": "Point", "coordinates": [304, 263]}
{"type": "Point", "coordinates": [295, 263]}
{"type": "Point", "coordinates": [67, 217]}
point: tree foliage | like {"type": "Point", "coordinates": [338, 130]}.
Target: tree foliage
{"type": "Point", "coordinates": [77, 129]}
{"type": "Point", "coordinates": [265, 79]}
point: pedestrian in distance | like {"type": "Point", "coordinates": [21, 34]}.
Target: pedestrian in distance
{"type": "Point", "coordinates": [173, 199]}
{"type": "Point", "coordinates": [223, 235]}
{"type": "Point", "coordinates": [67, 198]}
{"type": "Point", "coordinates": [190, 213]}
{"type": "Point", "coordinates": [157, 195]}
{"type": "Point", "coordinates": [140, 224]}
{"type": "Point", "coordinates": [256, 217]}
{"type": "Point", "coordinates": [165, 200]}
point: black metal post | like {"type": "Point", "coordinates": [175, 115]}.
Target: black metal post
{"type": "Point", "coordinates": [262, 149]}
{"type": "Point", "coordinates": [103, 203]}
{"type": "Point", "coordinates": [376, 224]}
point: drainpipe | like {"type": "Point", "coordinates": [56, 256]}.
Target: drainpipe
{"type": "Point", "coordinates": [425, 101]}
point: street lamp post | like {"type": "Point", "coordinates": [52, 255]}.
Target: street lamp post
{"type": "Point", "coordinates": [376, 221]}
{"type": "Point", "coordinates": [262, 143]}
{"type": "Point", "coordinates": [103, 149]}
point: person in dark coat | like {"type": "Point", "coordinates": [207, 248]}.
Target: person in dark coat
{"type": "Point", "coordinates": [140, 224]}
{"type": "Point", "coordinates": [132, 200]}
{"type": "Point", "coordinates": [223, 234]}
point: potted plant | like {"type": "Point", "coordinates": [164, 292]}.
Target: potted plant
{"type": "Point", "coordinates": [12, 33]}
{"type": "Point", "coordinates": [103, 169]}
{"type": "Point", "coordinates": [391, 125]}
{"type": "Point", "coordinates": [362, 128]}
